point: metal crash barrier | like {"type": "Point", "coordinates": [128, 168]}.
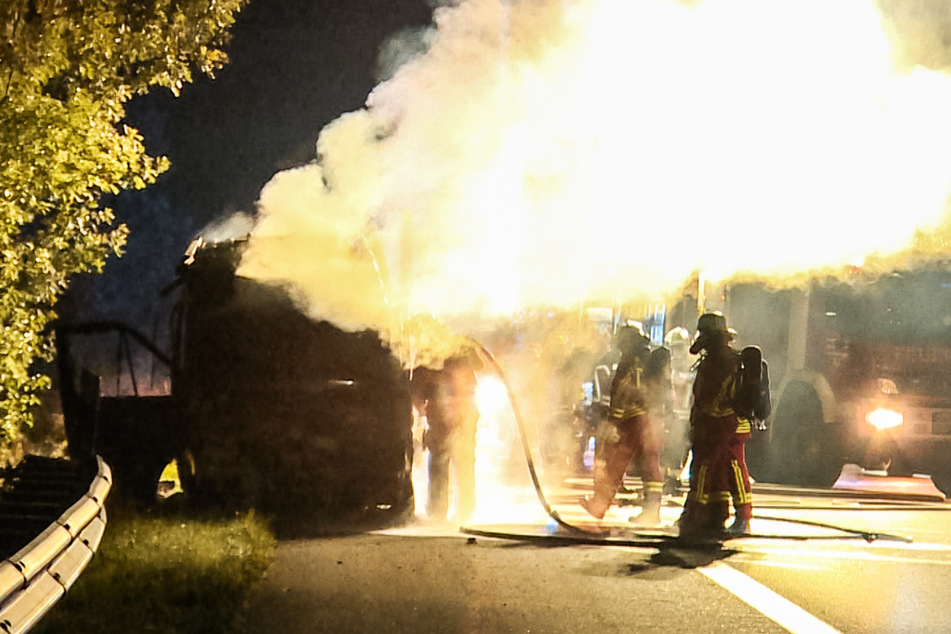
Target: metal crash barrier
{"type": "Point", "coordinates": [36, 577]}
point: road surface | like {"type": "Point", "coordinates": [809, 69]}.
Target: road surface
{"type": "Point", "coordinates": [887, 571]}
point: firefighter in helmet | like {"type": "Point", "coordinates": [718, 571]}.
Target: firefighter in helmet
{"type": "Point", "coordinates": [676, 444]}
{"type": "Point", "coordinates": [637, 436]}
{"type": "Point", "coordinates": [726, 385]}
{"type": "Point", "coordinates": [677, 340]}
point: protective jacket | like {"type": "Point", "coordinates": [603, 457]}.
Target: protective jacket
{"type": "Point", "coordinates": [637, 438]}
{"type": "Point", "coordinates": [718, 470]}
{"type": "Point", "coordinates": [628, 398]}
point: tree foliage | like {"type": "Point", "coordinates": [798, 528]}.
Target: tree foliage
{"type": "Point", "coordinates": [67, 70]}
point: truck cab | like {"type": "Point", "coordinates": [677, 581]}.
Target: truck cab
{"type": "Point", "coordinates": [863, 369]}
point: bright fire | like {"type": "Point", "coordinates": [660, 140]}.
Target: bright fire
{"type": "Point", "coordinates": [550, 153]}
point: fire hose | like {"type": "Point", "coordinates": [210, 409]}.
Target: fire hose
{"type": "Point", "coordinates": [588, 536]}
{"type": "Point", "coordinates": [552, 513]}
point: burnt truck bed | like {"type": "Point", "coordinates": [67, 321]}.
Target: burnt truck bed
{"type": "Point", "coordinates": [287, 414]}
{"type": "Point", "coordinates": [268, 409]}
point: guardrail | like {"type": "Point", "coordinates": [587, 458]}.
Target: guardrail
{"type": "Point", "coordinates": [40, 573]}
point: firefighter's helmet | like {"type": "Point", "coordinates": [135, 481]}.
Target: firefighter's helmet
{"type": "Point", "coordinates": [710, 326]}
{"type": "Point", "coordinates": [630, 337]}
{"type": "Point", "coordinates": [677, 337]}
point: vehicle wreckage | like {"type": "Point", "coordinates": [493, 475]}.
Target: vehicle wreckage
{"type": "Point", "coordinates": [265, 408]}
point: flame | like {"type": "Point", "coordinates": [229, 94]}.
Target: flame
{"type": "Point", "coordinates": [553, 153]}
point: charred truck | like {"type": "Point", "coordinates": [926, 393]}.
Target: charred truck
{"type": "Point", "coordinates": [265, 408]}
{"type": "Point", "coordinates": [863, 371]}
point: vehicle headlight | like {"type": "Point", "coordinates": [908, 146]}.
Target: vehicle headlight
{"type": "Point", "coordinates": [882, 418]}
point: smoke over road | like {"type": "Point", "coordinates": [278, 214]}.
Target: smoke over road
{"type": "Point", "coordinates": [547, 153]}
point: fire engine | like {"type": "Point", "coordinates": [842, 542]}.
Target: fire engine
{"type": "Point", "coordinates": [863, 370]}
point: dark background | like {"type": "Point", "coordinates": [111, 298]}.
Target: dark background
{"type": "Point", "coordinates": [296, 65]}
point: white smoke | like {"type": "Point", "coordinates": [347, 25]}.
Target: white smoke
{"type": "Point", "coordinates": [551, 153]}
{"type": "Point", "coordinates": [238, 225]}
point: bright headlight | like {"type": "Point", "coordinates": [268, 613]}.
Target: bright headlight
{"type": "Point", "coordinates": [882, 418]}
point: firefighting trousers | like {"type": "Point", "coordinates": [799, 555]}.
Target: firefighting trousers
{"type": "Point", "coordinates": [637, 440]}
{"type": "Point", "coordinates": [453, 457]}
{"type": "Point", "coordinates": [718, 473]}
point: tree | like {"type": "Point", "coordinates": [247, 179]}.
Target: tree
{"type": "Point", "coordinates": [67, 70]}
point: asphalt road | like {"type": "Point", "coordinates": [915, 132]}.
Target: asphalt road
{"type": "Point", "coordinates": [402, 583]}
{"type": "Point", "coordinates": [843, 564]}
{"type": "Point", "coordinates": [884, 585]}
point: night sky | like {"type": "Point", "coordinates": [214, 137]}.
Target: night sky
{"type": "Point", "coordinates": [296, 65]}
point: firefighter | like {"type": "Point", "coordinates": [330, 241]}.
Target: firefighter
{"type": "Point", "coordinates": [720, 423]}
{"type": "Point", "coordinates": [637, 436]}
{"type": "Point", "coordinates": [446, 397]}
{"type": "Point", "coordinates": [676, 414]}
{"type": "Point", "coordinates": [677, 341]}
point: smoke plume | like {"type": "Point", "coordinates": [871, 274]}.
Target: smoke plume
{"type": "Point", "coordinates": [542, 153]}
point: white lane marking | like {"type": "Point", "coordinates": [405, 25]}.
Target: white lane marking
{"type": "Point", "coordinates": [922, 546]}
{"type": "Point", "coordinates": [785, 612]}
{"type": "Point", "coordinates": [794, 565]}
{"type": "Point", "coordinates": [798, 554]}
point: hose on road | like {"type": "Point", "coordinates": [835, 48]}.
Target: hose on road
{"type": "Point", "coordinates": [578, 534]}
{"type": "Point", "coordinates": [552, 513]}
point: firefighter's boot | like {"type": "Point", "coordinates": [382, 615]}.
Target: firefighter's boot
{"type": "Point", "coordinates": [599, 503]}
{"type": "Point", "coordinates": [596, 505]}
{"type": "Point", "coordinates": [672, 482]}
{"type": "Point", "coordinates": [717, 514]}
{"type": "Point", "coordinates": [650, 511]}
{"type": "Point", "coordinates": [691, 520]}
{"type": "Point", "coordinates": [741, 523]}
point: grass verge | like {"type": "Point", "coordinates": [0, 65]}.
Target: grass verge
{"type": "Point", "coordinates": [171, 573]}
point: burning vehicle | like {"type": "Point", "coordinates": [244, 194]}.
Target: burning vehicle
{"type": "Point", "coordinates": [264, 408]}
{"type": "Point", "coordinates": [863, 366]}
